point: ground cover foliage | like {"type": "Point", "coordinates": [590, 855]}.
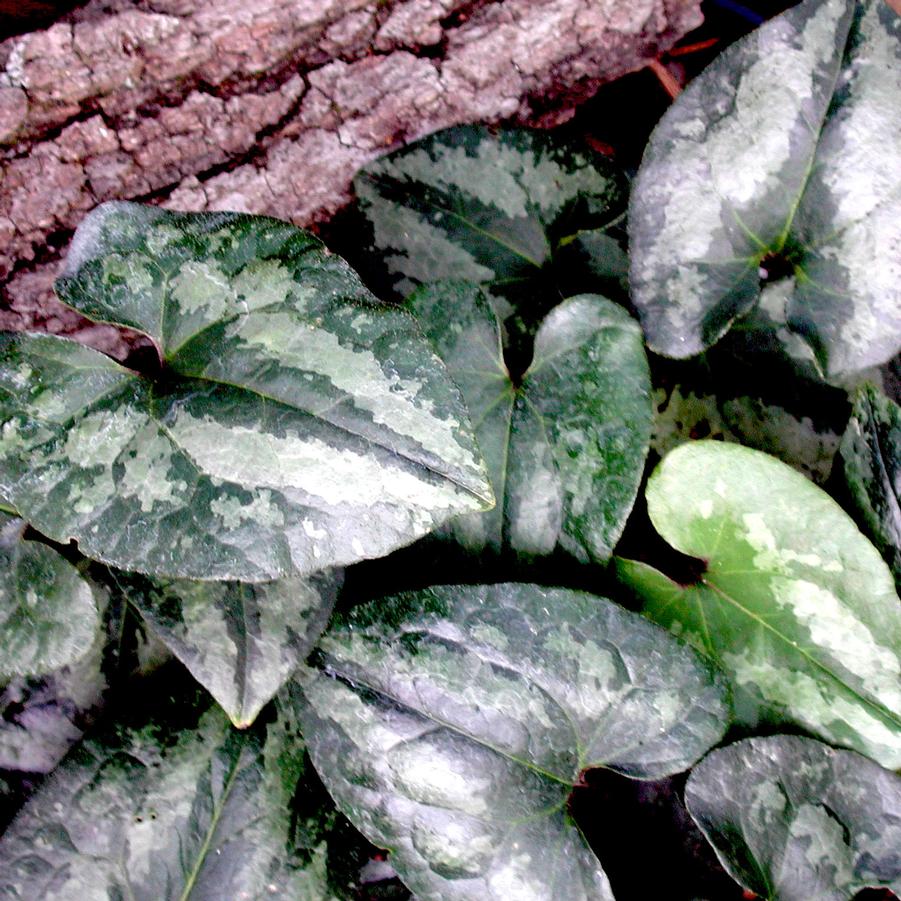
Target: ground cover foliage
{"type": "Point", "coordinates": [354, 590]}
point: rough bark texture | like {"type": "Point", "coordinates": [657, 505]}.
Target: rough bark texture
{"type": "Point", "coordinates": [270, 106]}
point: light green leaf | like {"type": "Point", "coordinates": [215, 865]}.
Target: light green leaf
{"type": "Point", "coordinates": [240, 641]}
{"type": "Point", "coordinates": [774, 158]}
{"type": "Point", "coordinates": [792, 819]}
{"type": "Point", "coordinates": [528, 216]}
{"type": "Point", "coordinates": [871, 456]}
{"type": "Point", "coordinates": [795, 604]}
{"type": "Point", "coordinates": [296, 423]}
{"type": "Point", "coordinates": [451, 724]}
{"type": "Point", "coordinates": [48, 612]}
{"type": "Point", "coordinates": [566, 446]}
{"type": "Point", "coordinates": [182, 807]}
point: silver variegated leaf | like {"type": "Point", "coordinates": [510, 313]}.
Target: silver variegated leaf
{"type": "Point", "coordinates": [48, 612]}
{"type": "Point", "coordinates": [781, 156]}
{"type": "Point", "coordinates": [41, 719]}
{"type": "Point", "coordinates": [295, 423]}
{"type": "Point", "coordinates": [181, 807]}
{"type": "Point", "coordinates": [792, 819]}
{"type": "Point", "coordinates": [451, 724]}
{"type": "Point", "coordinates": [241, 641]}
{"type": "Point", "coordinates": [794, 604]}
{"type": "Point", "coordinates": [566, 444]}
{"type": "Point", "coordinates": [803, 442]}
{"type": "Point", "coordinates": [530, 217]}
{"type": "Point", "coordinates": [871, 458]}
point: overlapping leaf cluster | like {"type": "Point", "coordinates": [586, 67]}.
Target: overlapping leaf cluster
{"type": "Point", "coordinates": [203, 506]}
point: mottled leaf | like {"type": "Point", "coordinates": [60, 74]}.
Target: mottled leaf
{"type": "Point", "coordinates": [792, 819]}
{"type": "Point", "coordinates": [48, 612]}
{"type": "Point", "coordinates": [530, 217]}
{"type": "Point", "coordinates": [42, 718]}
{"type": "Point", "coordinates": [566, 444]}
{"type": "Point", "coordinates": [795, 604]}
{"type": "Point", "coordinates": [181, 807]}
{"type": "Point", "coordinates": [780, 159]}
{"type": "Point", "coordinates": [296, 423]}
{"type": "Point", "coordinates": [451, 724]}
{"type": "Point", "coordinates": [800, 441]}
{"type": "Point", "coordinates": [240, 641]}
{"type": "Point", "coordinates": [871, 457]}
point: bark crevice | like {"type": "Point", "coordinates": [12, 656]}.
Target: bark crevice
{"type": "Point", "coordinates": [271, 106]}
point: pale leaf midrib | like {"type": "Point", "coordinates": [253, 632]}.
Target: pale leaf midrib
{"type": "Point", "coordinates": [343, 428]}
{"type": "Point", "coordinates": [204, 850]}
{"type": "Point", "coordinates": [818, 134]}
{"type": "Point", "coordinates": [359, 681]}
{"type": "Point", "coordinates": [225, 382]}
{"type": "Point", "coordinates": [131, 380]}
{"type": "Point", "coordinates": [883, 712]}
{"type": "Point", "coordinates": [380, 181]}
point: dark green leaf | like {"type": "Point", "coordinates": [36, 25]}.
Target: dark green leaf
{"type": "Point", "coordinates": [566, 447]}
{"type": "Point", "coordinates": [683, 415]}
{"type": "Point", "coordinates": [296, 423]}
{"type": "Point", "coordinates": [871, 455]}
{"type": "Point", "coordinates": [41, 718]}
{"type": "Point", "coordinates": [451, 724]}
{"type": "Point", "coordinates": [240, 641]}
{"type": "Point", "coordinates": [795, 604]}
{"type": "Point", "coordinates": [781, 156]}
{"type": "Point", "coordinates": [171, 811]}
{"type": "Point", "coordinates": [792, 819]}
{"type": "Point", "coordinates": [526, 215]}
{"type": "Point", "coordinates": [48, 612]}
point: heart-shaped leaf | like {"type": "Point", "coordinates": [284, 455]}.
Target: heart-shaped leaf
{"type": "Point", "coordinates": [566, 445]}
{"type": "Point", "coordinates": [871, 457]}
{"type": "Point", "coordinates": [795, 604]}
{"type": "Point", "coordinates": [792, 819]}
{"type": "Point", "coordinates": [48, 612]}
{"type": "Point", "coordinates": [240, 641]}
{"type": "Point", "coordinates": [528, 216]}
{"type": "Point", "coordinates": [181, 807]}
{"type": "Point", "coordinates": [780, 157]}
{"type": "Point", "coordinates": [295, 424]}
{"type": "Point", "coordinates": [451, 724]}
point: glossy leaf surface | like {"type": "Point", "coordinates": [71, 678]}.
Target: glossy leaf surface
{"type": "Point", "coordinates": [871, 455]}
{"type": "Point", "coordinates": [528, 216]}
{"type": "Point", "coordinates": [48, 612]}
{"type": "Point", "coordinates": [159, 813]}
{"type": "Point", "coordinates": [240, 641]}
{"type": "Point", "coordinates": [795, 604]}
{"type": "Point", "coordinates": [565, 446]}
{"type": "Point", "coordinates": [793, 819]}
{"type": "Point", "coordinates": [451, 724]}
{"type": "Point", "coordinates": [780, 156]}
{"type": "Point", "coordinates": [296, 423]}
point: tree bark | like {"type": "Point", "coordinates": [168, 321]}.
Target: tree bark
{"type": "Point", "coordinates": [270, 106]}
